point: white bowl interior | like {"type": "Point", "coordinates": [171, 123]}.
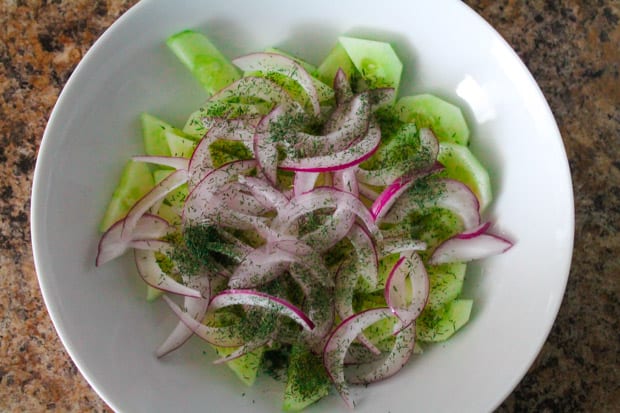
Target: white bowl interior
{"type": "Point", "coordinates": [100, 313]}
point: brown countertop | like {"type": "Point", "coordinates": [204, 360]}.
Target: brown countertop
{"type": "Point", "coordinates": [572, 47]}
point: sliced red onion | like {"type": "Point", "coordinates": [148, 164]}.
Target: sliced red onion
{"type": "Point", "coordinates": [381, 97]}
{"type": "Point", "coordinates": [324, 197]}
{"type": "Point", "coordinates": [346, 282]}
{"type": "Point", "coordinates": [148, 244]}
{"type": "Point", "coordinates": [219, 336]}
{"type": "Point", "coordinates": [389, 196]}
{"type": "Point", "coordinates": [304, 182]}
{"type": "Point", "coordinates": [262, 265]}
{"type": "Point", "coordinates": [390, 364]}
{"type": "Point", "coordinates": [410, 265]}
{"type": "Point", "coordinates": [351, 126]}
{"type": "Point", "coordinates": [201, 163]}
{"type": "Point", "coordinates": [264, 147]}
{"type": "Point", "coordinates": [273, 62]}
{"type": "Point", "coordinates": [175, 162]}
{"type": "Point", "coordinates": [353, 155]}
{"type": "Point", "coordinates": [159, 191]}
{"type": "Point", "coordinates": [266, 194]}
{"type": "Point", "coordinates": [346, 181]}
{"type": "Point", "coordinates": [468, 247]}
{"type": "Point", "coordinates": [203, 193]}
{"type": "Point", "coordinates": [366, 253]}
{"type": "Point", "coordinates": [152, 274]}
{"type": "Point", "coordinates": [339, 342]}
{"type": "Point", "coordinates": [258, 88]}
{"type": "Point", "coordinates": [342, 88]}
{"type": "Point", "coordinates": [390, 246]}
{"type": "Point", "coordinates": [148, 228]}
{"type": "Point", "coordinates": [445, 193]}
{"type": "Point", "coordinates": [259, 299]}
{"type": "Point", "coordinates": [195, 308]}
{"type": "Point", "coordinates": [367, 192]}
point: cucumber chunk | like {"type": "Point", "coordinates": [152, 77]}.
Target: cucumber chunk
{"type": "Point", "coordinates": [462, 165]}
{"type": "Point", "coordinates": [428, 111]}
{"type": "Point", "coordinates": [446, 282]}
{"type": "Point", "coordinates": [336, 59]}
{"type": "Point", "coordinates": [307, 380]}
{"type": "Point", "coordinates": [377, 63]}
{"type": "Point", "coordinates": [136, 180]}
{"type": "Point", "coordinates": [208, 65]}
{"type": "Point", "coordinates": [439, 325]}
{"type": "Point", "coordinates": [195, 128]}
{"type": "Point", "coordinates": [154, 135]}
{"type": "Point", "coordinates": [179, 145]}
{"type": "Point", "coordinates": [245, 367]}
{"type": "Point", "coordinates": [153, 293]}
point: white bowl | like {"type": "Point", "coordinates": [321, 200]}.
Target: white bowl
{"type": "Point", "coordinates": [100, 313]}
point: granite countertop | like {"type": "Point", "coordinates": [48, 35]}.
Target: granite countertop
{"type": "Point", "coordinates": [570, 46]}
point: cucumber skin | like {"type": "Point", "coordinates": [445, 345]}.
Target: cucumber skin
{"type": "Point", "coordinates": [443, 118]}
{"type": "Point", "coordinates": [208, 65]}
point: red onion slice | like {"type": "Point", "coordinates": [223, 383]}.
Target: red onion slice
{"type": "Point", "coordinates": [468, 247]}
{"type": "Point", "coordinates": [152, 274]}
{"type": "Point", "coordinates": [204, 193]}
{"type": "Point", "coordinates": [259, 299]}
{"type": "Point", "coordinates": [390, 364]}
{"type": "Point", "coordinates": [254, 87]}
{"type": "Point", "coordinates": [390, 246]}
{"type": "Point", "coordinates": [218, 336]}
{"type": "Point", "coordinates": [159, 191]}
{"type": "Point", "coordinates": [262, 265]}
{"type": "Point", "coordinates": [304, 182]}
{"type": "Point", "coordinates": [409, 265]}
{"type": "Point", "coordinates": [342, 88]}
{"type": "Point", "coordinates": [444, 193]}
{"type": "Point", "coordinates": [273, 62]}
{"type": "Point", "coordinates": [175, 162]}
{"type": "Point", "coordinates": [148, 228]}
{"type": "Point", "coordinates": [389, 196]}
{"type": "Point", "coordinates": [366, 253]}
{"type": "Point", "coordinates": [264, 193]}
{"type": "Point", "coordinates": [346, 181]}
{"type": "Point", "coordinates": [367, 192]}
{"type": "Point", "coordinates": [339, 342]}
{"type": "Point", "coordinates": [353, 155]}
{"type": "Point", "coordinates": [195, 308]}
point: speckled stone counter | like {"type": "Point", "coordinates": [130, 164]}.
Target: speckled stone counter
{"type": "Point", "coordinates": [572, 49]}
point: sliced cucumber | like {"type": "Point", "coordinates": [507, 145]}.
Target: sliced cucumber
{"type": "Point", "coordinates": [208, 65]}
{"type": "Point", "coordinates": [446, 282]}
{"type": "Point", "coordinates": [245, 367]}
{"type": "Point", "coordinates": [154, 135]}
{"type": "Point", "coordinates": [179, 145]}
{"type": "Point", "coordinates": [153, 293]}
{"type": "Point", "coordinates": [336, 59]}
{"type": "Point", "coordinates": [428, 111]}
{"type": "Point", "coordinates": [307, 380]}
{"type": "Point", "coordinates": [136, 180]}
{"type": "Point", "coordinates": [439, 325]}
{"type": "Point", "coordinates": [377, 63]}
{"type": "Point", "coordinates": [462, 165]}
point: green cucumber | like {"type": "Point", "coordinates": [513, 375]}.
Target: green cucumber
{"type": "Point", "coordinates": [446, 283]}
{"type": "Point", "coordinates": [136, 180]}
{"type": "Point", "coordinates": [428, 111]}
{"type": "Point", "coordinates": [208, 65]}
{"type": "Point", "coordinates": [307, 381]}
{"type": "Point", "coordinates": [377, 63]}
{"type": "Point", "coordinates": [336, 59]}
{"type": "Point", "coordinates": [245, 367]}
{"type": "Point", "coordinates": [439, 325]}
{"type": "Point", "coordinates": [153, 293]}
{"type": "Point", "coordinates": [154, 135]}
{"type": "Point", "coordinates": [179, 145]}
{"type": "Point", "coordinates": [462, 165]}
